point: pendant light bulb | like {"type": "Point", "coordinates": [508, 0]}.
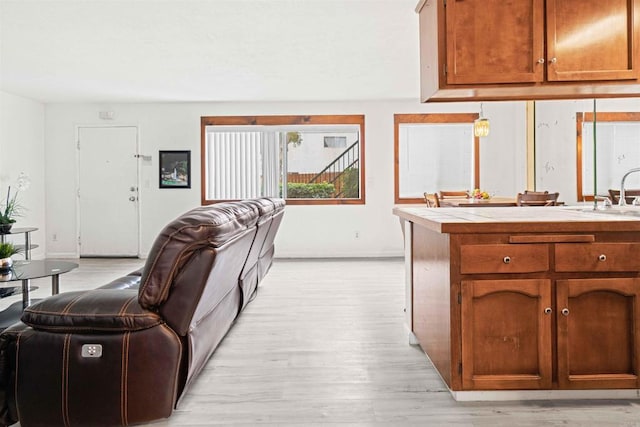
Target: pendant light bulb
{"type": "Point", "coordinates": [481, 125]}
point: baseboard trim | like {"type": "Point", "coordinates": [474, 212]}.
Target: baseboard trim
{"type": "Point", "coordinates": [509, 395]}
{"type": "Point", "coordinates": [73, 255]}
{"type": "Point", "coordinates": [67, 255]}
{"type": "Point", "coordinates": [506, 395]}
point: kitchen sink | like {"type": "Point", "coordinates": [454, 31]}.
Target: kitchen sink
{"type": "Point", "coordinates": [614, 210]}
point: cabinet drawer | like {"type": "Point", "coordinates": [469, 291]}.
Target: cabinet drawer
{"type": "Point", "coordinates": [598, 257]}
{"type": "Point", "coordinates": [504, 258]}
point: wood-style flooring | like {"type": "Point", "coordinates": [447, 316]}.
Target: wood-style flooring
{"type": "Point", "coordinates": [324, 344]}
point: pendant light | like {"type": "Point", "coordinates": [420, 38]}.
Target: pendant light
{"type": "Point", "coordinates": [481, 125]}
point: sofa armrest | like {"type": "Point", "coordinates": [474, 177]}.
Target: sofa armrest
{"type": "Point", "coordinates": [97, 310]}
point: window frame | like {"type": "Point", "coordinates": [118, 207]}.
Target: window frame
{"type": "Point", "coordinates": [433, 118]}
{"type": "Point", "coordinates": [275, 120]}
{"type": "Point", "coordinates": [581, 118]}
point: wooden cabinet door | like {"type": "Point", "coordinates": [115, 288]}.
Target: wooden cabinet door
{"type": "Point", "coordinates": [591, 40]}
{"type": "Point", "coordinates": [494, 41]}
{"type": "Point", "coordinates": [506, 334]}
{"type": "Point", "coordinates": [598, 333]}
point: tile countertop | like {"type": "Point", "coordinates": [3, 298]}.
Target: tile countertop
{"type": "Point", "coordinates": [561, 219]}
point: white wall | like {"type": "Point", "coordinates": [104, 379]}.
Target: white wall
{"type": "Point", "coordinates": [22, 150]}
{"type": "Point", "coordinates": [307, 231]}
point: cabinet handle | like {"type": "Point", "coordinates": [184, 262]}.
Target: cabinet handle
{"type": "Point", "coordinates": [553, 60]}
{"type": "Point", "coordinates": [565, 311]}
{"type": "Point", "coordinates": [548, 310]}
{"type": "Point", "coordinates": [602, 257]}
{"type": "Point", "coordinates": [541, 61]}
{"type": "Point", "coordinates": [506, 260]}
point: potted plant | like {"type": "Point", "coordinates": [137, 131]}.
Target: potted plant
{"type": "Point", "coordinates": [6, 251]}
{"type": "Point", "coordinates": [9, 210]}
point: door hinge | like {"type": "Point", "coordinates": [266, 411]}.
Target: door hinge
{"type": "Point", "coordinates": [79, 242]}
{"type": "Point", "coordinates": [444, 68]}
{"type": "Point", "coordinates": [444, 2]}
{"type": "Point", "coordinates": [78, 192]}
{"type": "Point", "coordinates": [459, 298]}
{"type": "Point", "coordinates": [460, 368]}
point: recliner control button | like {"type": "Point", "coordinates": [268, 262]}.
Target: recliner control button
{"type": "Point", "coordinates": [92, 350]}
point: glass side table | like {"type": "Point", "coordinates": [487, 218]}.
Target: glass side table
{"type": "Point", "coordinates": [27, 238]}
{"type": "Point", "coordinates": [26, 270]}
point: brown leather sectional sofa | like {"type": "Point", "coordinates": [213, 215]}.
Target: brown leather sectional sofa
{"type": "Point", "coordinates": [126, 352]}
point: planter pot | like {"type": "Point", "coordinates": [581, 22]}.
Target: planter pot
{"type": "Point", "coordinates": [6, 263]}
{"type": "Point", "coordinates": [5, 228]}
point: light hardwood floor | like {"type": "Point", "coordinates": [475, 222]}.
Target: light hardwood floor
{"type": "Point", "coordinates": [324, 344]}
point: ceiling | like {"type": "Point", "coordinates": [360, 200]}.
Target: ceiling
{"type": "Point", "coordinates": [109, 51]}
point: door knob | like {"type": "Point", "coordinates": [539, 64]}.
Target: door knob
{"type": "Point", "coordinates": [132, 198]}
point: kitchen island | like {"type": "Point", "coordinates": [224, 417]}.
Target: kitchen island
{"type": "Point", "coordinates": [526, 303]}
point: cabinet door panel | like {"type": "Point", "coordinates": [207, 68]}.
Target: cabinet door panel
{"type": "Point", "coordinates": [506, 334]}
{"type": "Point", "coordinates": [590, 40]}
{"type": "Point", "coordinates": [493, 41]}
{"type": "Point", "coordinates": [598, 333]}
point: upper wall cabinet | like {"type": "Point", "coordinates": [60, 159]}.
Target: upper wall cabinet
{"type": "Point", "coordinates": [591, 40]}
{"type": "Point", "coordinates": [493, 41]}
{"type": "Point", "coordinates": [529, 49]}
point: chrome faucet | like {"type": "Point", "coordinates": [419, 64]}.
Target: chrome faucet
{"type": "Point", "coordinates": [623, 201]}
{"type": "Point", "coordinates": [606, 202]}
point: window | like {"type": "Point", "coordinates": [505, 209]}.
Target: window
{"type": "Point", "coordinates": [600, 166]}
{"type": "Point", "coordinates": [299, 158]}
{"type": "Point", "coordinates": [335, 141]}
{"type": "Point", "coordinates": [434, 152]}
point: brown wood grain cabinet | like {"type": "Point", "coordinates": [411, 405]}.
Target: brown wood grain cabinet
{"type": "Point", "coordinates": [598, 331]}
{"type": "Point", "coordinates": [512, 328]}
{"type": "Point", "coordinates": [528, 49]}
{"type": "Point", "coordinates": [514, 305]}
{"type": "Point", "coordinates": [494, 41]}
{"type": "Point", "coordinates": [506, 334]}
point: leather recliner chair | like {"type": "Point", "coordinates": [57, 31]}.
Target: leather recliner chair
{"type": "Point", "coordinates": [126, 352]}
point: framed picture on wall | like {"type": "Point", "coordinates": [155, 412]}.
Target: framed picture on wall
{"type": "Point", "coordinates": [175, 169]}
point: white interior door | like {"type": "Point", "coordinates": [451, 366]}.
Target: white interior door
{"type": "Point", "coordinates": [108, 191]}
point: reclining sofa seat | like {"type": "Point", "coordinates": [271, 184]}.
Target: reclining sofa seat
{"type": "Point", "coordinates": [150, 333]}
{"type": "Point", "coordinates": [260, 257]}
